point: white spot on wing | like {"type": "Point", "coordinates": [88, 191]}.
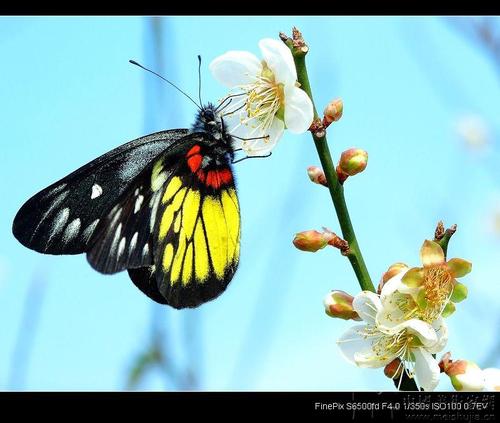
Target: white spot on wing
{"type": "Point", "coordinates": [116, 238]}
{"type": "Point", "coordinates": [145, 250]}
{"type": "Point", "coordinates": [138, 203]}
{"type": "Point", "coordinates": [96, 191]}
{"type": "Point", "coordinates": [54, 204]}
{"type": "Point", "coordinates": [116, 217]}
{"type": "Point", "coordinates": [155, 200]}
{"type": "Point", "coordinates": [87, 233]}
{"type": "Point", "coordinates": [121, 247]}
{"type": "Point", "coordinates": [58, 223]}
{"type": "Point", "coordinates": [71, 230]}
{"type": "Point", "coordinates": [133, 242]}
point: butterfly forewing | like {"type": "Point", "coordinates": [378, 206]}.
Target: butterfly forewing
{"type": "Point", "coordinates": [62, 218]}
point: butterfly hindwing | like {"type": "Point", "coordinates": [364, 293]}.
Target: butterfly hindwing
{"type": "Point", "coordinates": [123, 238]}
{"type": "Point", "coordinates": [62, 218]}
{"type": "Point", "coordinates": [197, 233]}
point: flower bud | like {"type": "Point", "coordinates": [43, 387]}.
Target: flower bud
{"type": "Point", "coordinates": [316, 175]}
{"type": "Point", "coordinates": [353, 161]}
{"type": "Point", "coordinates": [465, 375]}
{"type": "Point", "coordinates": [339, 304]}
{"type": "Point", "coordinates": [390, 273]}
{"type": "Point", "coordinates": [333, 111]}
{"type": "Point", "coordinates": [394, 369]}
{"type": "Point", "coordinates": [311, 241]}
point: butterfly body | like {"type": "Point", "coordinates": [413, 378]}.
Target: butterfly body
{"type": "Point", "coordinates": [164, 207]}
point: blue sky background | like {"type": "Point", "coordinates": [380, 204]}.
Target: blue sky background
{"type": "Point", "coordinates": [68, 95]}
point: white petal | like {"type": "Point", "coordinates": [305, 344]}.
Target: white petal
{"type": "Point", "coordinates": [232, 123]}
{"type": "Point", "coordinates": [298, 110]}
{"type": "Point", "coordinates": [392, 285]}
{"type": "Point", "coordinates": [492, 379]}
{"type": "Point", "coordinates": [263, 145]}
{"type": "Point", "coordinates": [423, 330]}
{"type": "Point", "coordinates": [367, 305]}
{"type": "Point", "coordinates": [441, 329]}
{"type": "Point", "coordinates": [357, 348]}
{"type": "Point", "coordinates": [391, 314]}
{"type": "Point", "coordinates": [426, 369]}
{"type": "Point", "coordinates": [235, 68]}
{"type": "Point", "coordinates": [280, 60]}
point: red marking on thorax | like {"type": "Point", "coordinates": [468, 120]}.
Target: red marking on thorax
{"type": "Point", "coordinates": [194, 162]}
{"type": "Point", "coordinates": [201, 175]}
{"type": "Point", "coordinates": [194, 158]}
{"type": "Point", "coordinates": [194, 150]}
{"type": "Point", "coordinates": [212, 178]}
{"type": "Point", "coordinates": [217, 178]}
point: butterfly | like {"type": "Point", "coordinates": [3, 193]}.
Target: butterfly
{"type": "Point", "coordinates": [163, 207]}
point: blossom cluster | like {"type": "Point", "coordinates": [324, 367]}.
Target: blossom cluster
{"type": "Point", "coordinates": [403, 326]}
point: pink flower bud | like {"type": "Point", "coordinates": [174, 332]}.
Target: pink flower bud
{"type": "Point", "coordinates": [316, 175]}
{"type": "Point", "coordinates": [353, 161]}
{"type": "Point", "coordinates": [333, 111]}
{"type": "Point", "coordinates": [339, 304]}
{"type": "Point", "coordinates": [390, 273]}
{"type": "Point", "coordinates": [311, 241]}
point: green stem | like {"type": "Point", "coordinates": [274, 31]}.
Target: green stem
{"type": "Point", "coordinates": [443, 242]}
{"type": "Point", "coordinates": [335, 188]}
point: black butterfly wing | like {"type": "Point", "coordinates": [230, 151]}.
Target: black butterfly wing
{"type": "Point", "coordinates": [124, 238]}
{"type": "Point", "coordinates": [62, 218]}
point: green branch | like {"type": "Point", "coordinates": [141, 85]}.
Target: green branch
{"type": "Point", "coordinates": [335, 188]}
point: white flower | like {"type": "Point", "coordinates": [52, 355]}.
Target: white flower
{"type": "Point", "coordinates": [413, 341]}
{"type": "Point", "coordinates": [398, 306]}
{"type": "Point", "coordinates": [268, 100]}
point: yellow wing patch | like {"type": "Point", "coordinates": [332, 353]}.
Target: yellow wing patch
{"type": "Point", "coordinates": [168, 255]}
{"type": "Point", "coordinates": [168, 214]}
{"type": "Point", "coordinates": [172, 187]}
{"type": "Point", "coordinates": [201, 259]}
{"type": "Point", "coordinates": [232, 216]}
{"type": "Point", "coordinates": [203, 233]}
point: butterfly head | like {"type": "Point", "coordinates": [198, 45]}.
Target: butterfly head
{"type": "Point", "coordinates": [210, 122]}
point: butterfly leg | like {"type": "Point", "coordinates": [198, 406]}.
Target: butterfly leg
{"type": "Point", "coordinates": [251, 157]}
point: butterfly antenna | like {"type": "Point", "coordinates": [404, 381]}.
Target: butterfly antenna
{"type": "Point", "coordinates": [166, 80]}
{"type": "Point", "coordinates": [199, 78]}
